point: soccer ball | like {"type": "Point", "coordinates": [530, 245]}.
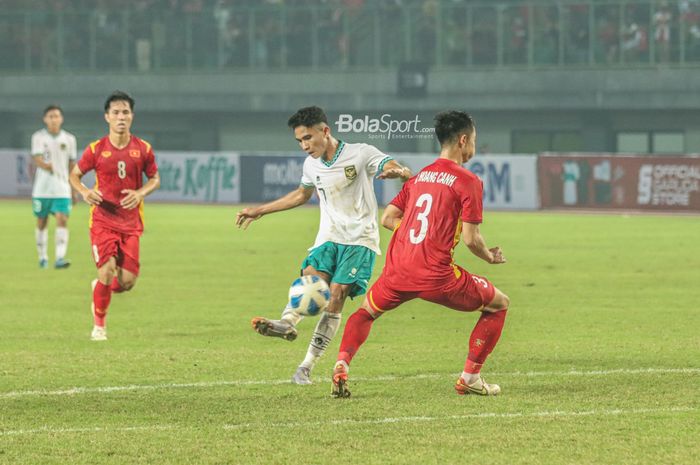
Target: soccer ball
{"type": "Point", "coordinates": [309, 295]}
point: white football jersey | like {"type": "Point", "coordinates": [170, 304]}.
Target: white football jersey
{"type": "Point", "coordinates": [346, 193]}
{"type": "Point", "coordinates": [58, 150]}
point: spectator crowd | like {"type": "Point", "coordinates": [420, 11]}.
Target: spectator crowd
{"type": "Point", "coordinates": [143, 35]}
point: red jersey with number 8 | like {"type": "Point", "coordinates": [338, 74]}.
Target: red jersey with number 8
{"type": "Point", "coordinates": [435, 202]}
{"type": "Point", "coordinates": [116, 170]}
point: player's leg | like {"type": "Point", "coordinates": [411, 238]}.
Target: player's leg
{"type": "Point", "coordinates": [482, 341]}
{"type": "Point", "coordinates": [380, 298]}
{"type": "Point", "coordinates": [41, 233]}
{"type": "Point", "coordinates": [471, 293]}
{"type": "Point", "coordinates": [128, 264]}
{"type": "Point", "coordinates": [326, 329]}
{"type": "Point", "coordinates": [61, 210]}
{"type": "Point", "coordinates": [101, 297]}
{"type": "Point", "coordinates": [124, 280]}
{"type": "Point", "coordinates": [351, 272]}
{"type": "Point", "coordinates": [105, 249]}
{"type": "Point", "coordinates": [321, 262]}
{"type": "Point", "coordinates": [355, 334]}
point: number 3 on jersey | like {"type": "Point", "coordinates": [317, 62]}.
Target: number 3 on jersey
{"type": "Point", "coordinates": [121, 169]}
{"type": "Point", "coordinates": [425, 202]}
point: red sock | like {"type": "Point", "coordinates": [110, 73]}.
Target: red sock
{"type": "Point", "coordinates": [356, 331]}
{"type": "Point", "coordinates": [483, 339]}
{"type": "Point", "coordinates": [100, 298]}
{"type": "Point", "coordinates": [116, 287]}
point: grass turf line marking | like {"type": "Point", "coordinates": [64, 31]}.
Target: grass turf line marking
{"type": "Point", "coordinates": [471, 416]}
{"type": "Point", "coordinates": [369, 421]}
{"type": "Point", "coordinates": [96, 429]}
{"type": "Point", "coordinates": [208, 384]}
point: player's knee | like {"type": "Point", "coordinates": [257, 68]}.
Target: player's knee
{"type": "Point", "coordinates": [506, 301]}
{"type": "Point", "coordinates": [128, 284]}
{"type": "Point", "coordinates": [372, 312]}
{"type": "Point", "coordinates": [106, 273]}
{"type": "Point", "coordinates": [335, 304]}
{"type": "Point", "coordinates": [500, 302]}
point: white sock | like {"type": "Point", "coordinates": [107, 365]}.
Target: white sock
{"type": "Point", "coordinates": [61, 237]}
{"type": "Point", "coordinates": [42, 242]}
{"type": "Point", "coordinates": [326, 328]}
{"type": "Point", "coordinates": [290, 316]}
{"type": "Point", "coordinates": [470, 378]}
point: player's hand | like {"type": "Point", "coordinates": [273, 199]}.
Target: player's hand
{"type": "Point", "coordinates": [92, 196]}
{"type": "Point", "coordinates": [497, 254]}
{"type": "Point", "coordinates": [48, 167]}
{"type": "Point", "coordinates": [391, 173]}
{"type": "Point", "coordinates": [132, 199]}
{"type": "Point", "coordinates": [246, 216]}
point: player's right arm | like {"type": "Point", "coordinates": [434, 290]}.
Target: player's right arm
{"type": "Point", "coordinates": [38, 156]}
{"type": "Point", "coordinates": [391, 217]}
{"type": "Point", "coordinates": [477, 245]}
{"type": "Point", "coordinates": [297, 197]}
{"type": "Point", "coordinates": [86, 163]}
{"type": "Point", "coordinates": [393, 213]}
{"type": "Point", "coordinates": [39, 161]}
{"type": "Point", "coordinates": [90, 196]}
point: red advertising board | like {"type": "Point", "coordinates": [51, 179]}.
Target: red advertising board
{"type": "Point", "coordinates": [662, 183]}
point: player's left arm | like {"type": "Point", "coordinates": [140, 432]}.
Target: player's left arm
{"type": "Point", "coordinates": [391, 218]}
{"type": "Point", "coordinates": [392, 169]}
{"type": "Point", "coordinates": [471, 235]}
{"type": "Point", "coordinates": [133, 198]}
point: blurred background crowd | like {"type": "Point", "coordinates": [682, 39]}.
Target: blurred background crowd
{"type": "Point", "coordinates": [148, 35]}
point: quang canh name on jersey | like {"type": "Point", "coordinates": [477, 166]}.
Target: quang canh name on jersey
{"type": "Point", "coordinates": [346, 194]}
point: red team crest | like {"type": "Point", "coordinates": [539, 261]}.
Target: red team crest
{"type": "Point", "coordinates": [135, 153]}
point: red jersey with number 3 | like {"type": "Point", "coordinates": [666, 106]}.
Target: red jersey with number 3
{"type": "Point", "coordinates": [435, 202]}
{"type": "Point", "coordinates": [116, 170]}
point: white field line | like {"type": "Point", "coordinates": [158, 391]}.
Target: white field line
{"type": "Point", "coordinates": [470, 416]}
{"type": "Point", "coordinates": [208, 384]}
{"type": "Point", "coordinates": [97, 429]}
{"type": "Point", "coordinates": [368, 421]}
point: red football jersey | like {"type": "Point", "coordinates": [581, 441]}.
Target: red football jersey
{"type": "Point", "coordinates": [115, 170]}
{"type": "Point", "coordinates": [435, 202]}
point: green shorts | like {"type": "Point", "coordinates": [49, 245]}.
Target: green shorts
{"type": "Point", "coordinates": [43, 206]}
{"type": "Point", "coordinates": [347, 264]}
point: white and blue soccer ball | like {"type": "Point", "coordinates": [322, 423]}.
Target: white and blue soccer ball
{"type": "Point", "coordinates": [309, 295]}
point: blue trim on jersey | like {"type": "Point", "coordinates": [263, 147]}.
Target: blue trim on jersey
{"type": "Point", "coordinates": [341, 146]}
{"type": "Point", "coordinates": [381, 165]}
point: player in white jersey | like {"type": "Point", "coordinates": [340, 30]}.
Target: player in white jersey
{"type": "Point", "coordinates": [54, 153]}
{"type": "Point", "coordinates": [348, 236]}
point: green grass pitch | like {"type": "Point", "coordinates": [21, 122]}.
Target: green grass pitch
{"type": "Point", "coordinates": [599, 360]}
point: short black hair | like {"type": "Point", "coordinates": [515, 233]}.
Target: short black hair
{"type": "Point", "coordinates": [450, 124]}
{"type": "Point", "coordinates": [53, 107]}
{"type": "Point", "coordinates": [119, 96]}
{"type": "Point", "coordinates": [307, 116]}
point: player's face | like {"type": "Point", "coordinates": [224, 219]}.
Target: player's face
{"type": "Point", "coordinates": [53, 119]}
{"type": "Point", "coordinates": [119, 117]}
{"type": "Point", "coordinates": [469, 148]}
{"type": "Point", "coordinates": [313, 140]}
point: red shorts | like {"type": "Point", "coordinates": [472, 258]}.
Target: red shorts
{"type": "Point", "coordinates": [466, 293]}
{"type": "Point", "coordinates": [108, 243]}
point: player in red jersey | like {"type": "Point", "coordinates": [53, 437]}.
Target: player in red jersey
{"type": "Point", "coordinates": [434, 208]}
{"type": "Point", "coordinates": [116, 214]}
